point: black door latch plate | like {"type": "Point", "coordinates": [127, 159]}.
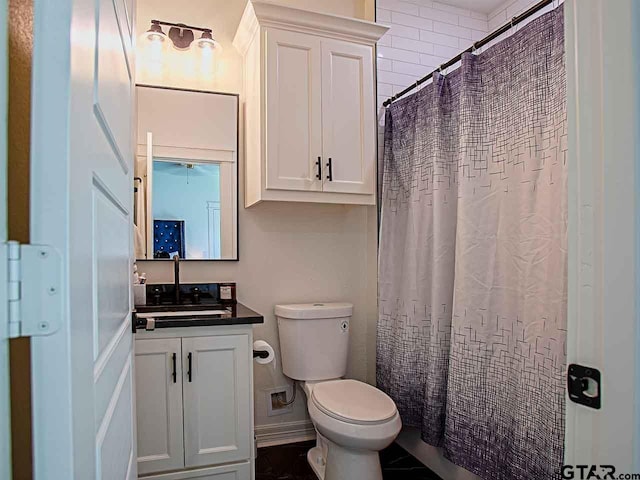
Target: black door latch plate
{"type": "Point", "coordinates": [583, 385]}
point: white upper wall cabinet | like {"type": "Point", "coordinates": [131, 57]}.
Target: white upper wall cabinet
{"type": "Point", "coordinates": [310, 120]}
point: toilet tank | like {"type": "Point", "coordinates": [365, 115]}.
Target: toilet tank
{"type": "Point", "coordinates": [314, 339]}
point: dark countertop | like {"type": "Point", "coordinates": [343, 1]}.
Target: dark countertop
{"type": "Point", "coordinates": [238, 314]}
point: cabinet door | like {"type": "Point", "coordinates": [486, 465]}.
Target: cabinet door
{"type": "Point", "coordinates": [294, 119]}
{"type": "Point", "coordinates": [348, 117]}
{"type": "Point", "coordinates": [216, 394]}
{"type": "Point", "coordinates": [159, 404]}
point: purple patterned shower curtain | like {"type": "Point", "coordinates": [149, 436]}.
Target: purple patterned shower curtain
{"type": "Point", "coordinates": [473, 264]}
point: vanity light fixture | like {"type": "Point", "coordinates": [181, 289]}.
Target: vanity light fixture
{"type": "Point", "coordinates": [155, 33]}
{"type": "Point", "coordinates": [182, 36]}
{"type": "Point", "coordinates": [206, 40]}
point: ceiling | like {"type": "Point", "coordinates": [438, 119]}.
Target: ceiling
{"type": "Point", "coordinates": [480, 6]}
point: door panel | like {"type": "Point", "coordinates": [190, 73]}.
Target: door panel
{"type": "Point", "coordinates": [294, 120]}
{"type": "Point", "coordinates": [111, 258]}
{"type": "Point", "coordinates": [114, 443]}
{"type": "Point", "coordinates": [81, 203]}
{"type": "Point", "coordinates": [348, 117]}
{"type": "Point", "coordinates": [216, 399]}
{"type": "Point", "coordinates": [112, 83]}
{"type": "Point", "coordinates": [110, 184]}
{"type": "Point", "coordinates": [107, 374]}
{"type": "Point", "coordinates": [159, 405]}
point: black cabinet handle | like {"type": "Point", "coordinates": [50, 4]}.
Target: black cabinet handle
{"type": "Point", "coordinates": [189, 368]}
{"type": "Point", "coordinates": [329, 166]}
{"type": "Point", "coordinates": [173, 359]}
{"type": "Point", "coordinates": [319, 165]}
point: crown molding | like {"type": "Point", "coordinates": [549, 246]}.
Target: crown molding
{"type": "Point", "coordinates": [262, 14]}
{"type": "Point", "coordinates": [247, 29]}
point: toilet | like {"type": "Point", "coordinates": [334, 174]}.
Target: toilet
{"type": "Point", "coordinates": [353, 420]}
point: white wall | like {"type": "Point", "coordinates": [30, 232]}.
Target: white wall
{"type": "Point", "coordinates": [288, 252]}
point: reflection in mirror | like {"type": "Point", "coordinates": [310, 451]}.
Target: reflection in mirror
{"type": "Point", "coordinates": [186, 209]}
{"type": "Point", "coordinates": [186, 175]}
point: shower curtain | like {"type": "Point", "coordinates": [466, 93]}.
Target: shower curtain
{"type": "Point", "coordinates": [473, 282]}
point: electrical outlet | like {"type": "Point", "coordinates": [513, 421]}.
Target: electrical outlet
{"type": "Point", "coordinates": [275, 398]}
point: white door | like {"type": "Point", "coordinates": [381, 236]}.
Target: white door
{"type": "Point", "coordinates": [5, 427]}
{"type": "Point", "coordinates": [159, 404]}
{"type": "Point", "coordinates": [348, 117]}
{"type": "Point", "coordinates": [294, 120]}
{"type": "Point", "coordinates": [81, 203]}
{"type": "Point", "coordinates": [603, 331]}
{"type": "Point", "coordinates": [216, 397]}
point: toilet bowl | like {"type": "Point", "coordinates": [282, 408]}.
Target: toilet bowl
{"type": "Point", "coordinates": [353, 420]}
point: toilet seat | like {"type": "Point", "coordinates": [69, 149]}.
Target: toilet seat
{"type": "Point", "coordinates": [353, 402]}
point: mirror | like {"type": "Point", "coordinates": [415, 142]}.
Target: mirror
{"type": "Point", "coordinates": [186, 177]}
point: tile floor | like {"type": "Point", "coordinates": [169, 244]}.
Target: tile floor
{"type": "Point", "coordinates": [289, 462]}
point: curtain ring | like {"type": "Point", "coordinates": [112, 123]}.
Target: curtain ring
{"type": "Point", "coordinates": [514, 25]}
{"type": "Point", "coordinates": [474, 48]}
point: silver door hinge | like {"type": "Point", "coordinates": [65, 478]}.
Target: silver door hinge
{"type": "Point", "coordinates": [34, 281]}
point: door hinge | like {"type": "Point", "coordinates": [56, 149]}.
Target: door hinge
{"type": "Point", "coordinates": [34, 283]}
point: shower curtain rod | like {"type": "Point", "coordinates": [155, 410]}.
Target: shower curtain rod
{"type": "Point", "coordinates": [480, 43]}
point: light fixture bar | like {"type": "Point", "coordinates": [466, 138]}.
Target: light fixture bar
{"type": "Point", "coordinates": [180, 25]}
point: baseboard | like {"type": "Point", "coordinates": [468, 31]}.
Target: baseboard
{"type": "Point", "coordinates": [281, 433]}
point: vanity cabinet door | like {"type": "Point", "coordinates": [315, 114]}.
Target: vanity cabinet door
{"type": "Point", "coordinates": [348, 117]}
{"type": "Point", "coordinates": [159, 404]}
{"type": "Point", "coordinates": [217, 399]}
{"type": "Point", "coordinates": [293, 114]}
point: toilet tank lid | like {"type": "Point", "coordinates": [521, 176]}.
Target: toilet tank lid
{"type": "Point", "coordinates": [305, 311]}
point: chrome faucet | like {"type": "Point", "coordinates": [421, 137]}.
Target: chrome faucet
{"type": "Point", "coordinates": [176, 277]}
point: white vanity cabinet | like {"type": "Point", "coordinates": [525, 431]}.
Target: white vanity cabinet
{"type": "Point", "coordinates": [194, 403]}
{"type": "Point", "coordinates": [310, 119]}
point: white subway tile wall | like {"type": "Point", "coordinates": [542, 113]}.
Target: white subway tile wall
{"type": "Point", "coordinates": [423, 35]}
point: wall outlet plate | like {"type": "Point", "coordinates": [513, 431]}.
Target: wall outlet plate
{"type": "Point", "coordinates": [273, 410]}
